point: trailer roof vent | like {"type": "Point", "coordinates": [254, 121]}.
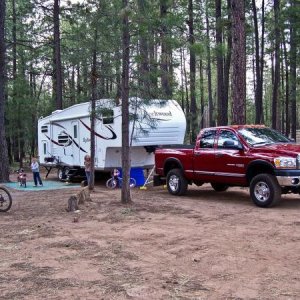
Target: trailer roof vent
{"type": "Point", "coordinates": [44, 129]}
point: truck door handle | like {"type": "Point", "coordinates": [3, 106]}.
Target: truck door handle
{"type": "Point", "coordinates": [219, 155]}
{"type": "Point", "coordinates": [197, 153]}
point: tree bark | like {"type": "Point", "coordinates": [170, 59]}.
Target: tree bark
{"type": "Point", "coordinates": [165, 53]}
{"type": "Point", "coordinates": [153, 67]}
{"type": "Point", "coordinates": [193, 106]}
{"type": "Point", "coordinates": [222, 112]}
{"type": "Point", "coordinates": [287, 91]}
{"type": "Point", "coordinates": [258, 86]}
{"type": "Point", "coordinates": [227, 60]}
{"type": "Point", "coordinates": [58, 85]}
{"type": "Point", "coordinates": [145, 85]}
{"type": "Point", "coordinates": [202, 120]}
{"type": "Point", "coordinates": [93, 110]}
{"type": "Point", "coordinates": [275, 95]}
{"type": "Point", "coordinates": [293, 69]}
{"type": "Point", "coordinates": [238, 62]}
{"type": "Point", "coordinates": [125, 194]}
{"type": "Point", "coordinates": [209, 86]}
{"type": "Point", "coordinates": [4, 165]}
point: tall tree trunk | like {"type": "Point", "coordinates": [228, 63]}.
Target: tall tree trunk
{"type": "Point", "coordinates": [14, 35]}
{"type": "Point", "coordinates": [258, 86]}
{"type": "Point", "coordinates": [293, 68]}
{"type": "Point", "coordinates": [287, 91]}
{"type": "Point", "coordinates": [93, 110]}
{"type": "Point", "coordinates": [227, 61]}
{"type": "Point", "coordinates": [202, 120]}
{"type": "Point", "coordinates": [238, 62]}
{"type": "Point", "coordinates": [187, 102]}
{"type": "Point", "coordinates": [165, 53]}
{"type": "Point", "coordinates": [125, 194]}
{"type": "Point", "coordinates": [72, 87]}
{"type": "Point", "coordinates": [193, 106]}
{"type": "Point", "coordinates": [182, 79]}
{"type": "Point", "coordinates": [153, 67]}
{"type": "Point", "coordinates": [118, 77]}
{"type": "Point", "coordinates": [4, 165]}
{"type": "Point", "coordinates": [222, 113]}
{"type": "Point", "coordinates": [78, 83]}
{"type": "Point", "coordinates": [275, 95]}
{"type": "Point", "coordinates": [58, 85]}
{"type": "Point", "coordinates": [144, 53]}
{"type": "Point", "coordinates": [262, 53]}
{"type": "Point", "coordinates": [209, 86]}
{"type": "Point", "coordinates": [16, 135]}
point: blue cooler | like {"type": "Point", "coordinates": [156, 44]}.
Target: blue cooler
{"type": "Point", "coordinates": [137, 174]}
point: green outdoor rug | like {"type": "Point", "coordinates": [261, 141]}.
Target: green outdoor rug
{"type": "Point", "coordinates": [47, 185]}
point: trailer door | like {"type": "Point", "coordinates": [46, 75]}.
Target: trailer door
{"type": "Point", "coordinates": [76, 143]}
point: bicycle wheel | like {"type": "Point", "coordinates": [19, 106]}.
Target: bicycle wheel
{"type": "Point", "coordinates": [111, 183]}
{"type": "Point", "coordinates": [5, 199]}
{"type": "Point", "coordinates": [132, 182]}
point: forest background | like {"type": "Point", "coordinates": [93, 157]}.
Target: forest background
{"type": "Point", "coordinates": [225, 62]}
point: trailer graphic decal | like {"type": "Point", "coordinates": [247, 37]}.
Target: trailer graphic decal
{"type": "Point", "coordinates": [113, 137]}
{"type": "Point", "coordinates": [64, 139]}
{"type": "Point", "coordinates": [70, 143]}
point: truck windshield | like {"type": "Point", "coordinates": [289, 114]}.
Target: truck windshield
{"type": "Point", "coordinates": [259, 136]}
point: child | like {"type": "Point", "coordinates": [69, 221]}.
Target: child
{"type": "Point", "coordinates": [116, 174]}
{"type": "Point", "coordinates": [22, 178]}
{"type": "Point", "coordinates": [36, 172]}
{"type": "Point", "coordinates": [87, 168]}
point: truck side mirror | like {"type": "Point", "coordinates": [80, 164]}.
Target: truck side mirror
{"type": "Point", "coordinates": [230, 144]}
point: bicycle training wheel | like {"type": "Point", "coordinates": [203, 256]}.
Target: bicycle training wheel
{"type": "Point", "coordinates": [5, 199]}
{"type": "Point", "coordinates": [111, 183]}
{"type": "Point", "coordinates": [132, 182]}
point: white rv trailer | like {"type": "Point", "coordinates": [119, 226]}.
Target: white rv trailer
{"type": "Point", "coordinates": [64, 136]}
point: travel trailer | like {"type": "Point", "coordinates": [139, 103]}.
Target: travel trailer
{"type": "Point", "coordinates": [64, 136]}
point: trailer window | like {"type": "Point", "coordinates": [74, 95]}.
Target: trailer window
{"type": "Point", "coordinates": [45, 148]}
{"type": "Point", "coordinates": [75, 131]}
{"type": "Point", "coordinates": [44, 129]}
{"type": "Point", "coordinates": [108, 116]}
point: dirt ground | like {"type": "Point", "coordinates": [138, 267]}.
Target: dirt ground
{"type": "Point", "coordinates": [205, 245]}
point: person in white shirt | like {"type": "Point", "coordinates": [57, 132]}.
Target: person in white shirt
{"type": "Point", "coordinates": [35, 168]}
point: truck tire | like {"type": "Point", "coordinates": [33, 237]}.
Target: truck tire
{"type": "Point", "coordinates": [265, 190]}
{"type": "Point", "coordinates": [219, 187]}
{"type": "Point", "coordinates": [176, 183]}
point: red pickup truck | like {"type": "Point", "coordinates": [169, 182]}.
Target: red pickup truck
{"type": "Point", "coordinates": [249, 155]}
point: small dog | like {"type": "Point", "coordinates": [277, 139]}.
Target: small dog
{"type": "Point", "coordinates": [22, 178]}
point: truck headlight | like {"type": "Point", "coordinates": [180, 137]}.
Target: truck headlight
{"type": "Point", "coordinates": [285, 163]}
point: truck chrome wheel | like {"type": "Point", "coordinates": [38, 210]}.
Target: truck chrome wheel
{"type": "Point", "coordinates": [265, 190]}
{"type": "Point", "coordinates": [173, 183]}
{"type": "Point", "coordinates": [262, 191]}
{"type": "Point", "coordinates": [176, 182]}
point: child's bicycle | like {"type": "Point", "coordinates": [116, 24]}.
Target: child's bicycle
{"type": "Point", "coordinates": [116, 181]}
{"type": "Point", "coordinates": [5, 199]}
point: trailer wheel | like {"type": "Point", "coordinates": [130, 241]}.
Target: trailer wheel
{"type": "Point", "coordinates": [62, 173]}
{"type": "Point", "coordinates": [219, 187]}
{"type": "Point", "coordinates": [176, 182]}
{"type": "Point", "coordinates": [265, 190]}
